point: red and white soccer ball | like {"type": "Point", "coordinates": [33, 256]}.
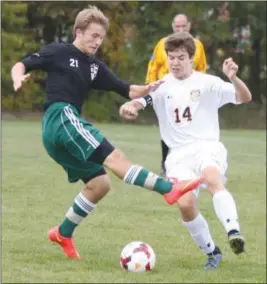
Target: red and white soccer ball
{"type": "Point", "coordinates": [137, 257]}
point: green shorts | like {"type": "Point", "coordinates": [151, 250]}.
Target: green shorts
{"type": "Point", "coordinates": [74, 143]}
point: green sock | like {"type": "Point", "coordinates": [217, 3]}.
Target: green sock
{"type": "Point", "coordinates": [80, 209]}
{"type": "Point", "coordinates": [140, 176]}
{"type": "Point", "coordinates": [66, 228]}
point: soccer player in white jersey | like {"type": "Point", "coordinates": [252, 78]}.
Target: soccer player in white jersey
{"type": "Point", "coordinates": [186, 105]}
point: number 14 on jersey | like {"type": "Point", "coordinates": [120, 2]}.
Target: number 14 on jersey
{"type": "Point", "coordinates": [185, 114]}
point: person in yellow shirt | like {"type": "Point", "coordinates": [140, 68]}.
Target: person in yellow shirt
{"type": "Point", "coordinates": [158, 64]}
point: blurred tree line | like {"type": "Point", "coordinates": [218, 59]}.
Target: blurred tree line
{"type": "Point", "coordinates": [236, 29]}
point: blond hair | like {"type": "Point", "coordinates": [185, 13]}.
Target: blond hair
{"type": "Point", "coordinates": [87, 16]}
{"type": "Point", "coordinates": [181, 40]}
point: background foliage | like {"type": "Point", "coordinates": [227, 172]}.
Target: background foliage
{"type": "Point", "coordinates": [236, 29]}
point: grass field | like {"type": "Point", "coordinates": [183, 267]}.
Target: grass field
{"type": "Point", "coordinates": [36, 195]}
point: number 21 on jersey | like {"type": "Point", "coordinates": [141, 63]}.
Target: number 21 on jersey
{"type": "Point", "coordinates": [74, 62]}
{"type": "Point", "coordinates": [179, 115]}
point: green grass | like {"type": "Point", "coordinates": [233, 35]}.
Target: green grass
{"type": "Point", "coordinates": [36, 195]}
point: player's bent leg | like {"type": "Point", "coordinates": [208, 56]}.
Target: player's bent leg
{"type": "Point", "coordinates": [198, 228]}
{"type": "Point", "coordinates": [97, 188]}
{"type": "Point", "coordinates": [72, 142]}
{"type": "Point", "coordinates": [84, 204]}
{"type": "Point", "coordinates": [225, 208]}
{"type": "Point", "coordinates": [137, 175]}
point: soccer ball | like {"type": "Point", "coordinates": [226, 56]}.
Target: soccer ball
{"type": "Point", "coordinates": [137, 257]}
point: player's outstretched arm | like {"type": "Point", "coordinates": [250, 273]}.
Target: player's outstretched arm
{"type": "Point", "coordinates": [138, 91]}
{"type": "Point", "coordinates": [43, 60]}
{"type": "Point", "coordinates": [230, 69]}
{"type": "Point", "coordinates": [18, 75]}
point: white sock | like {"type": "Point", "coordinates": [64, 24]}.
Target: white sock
{"type": "Point", "coordinates": [200, 233]}
{"type": "Point", "coordinates": [225, 208]}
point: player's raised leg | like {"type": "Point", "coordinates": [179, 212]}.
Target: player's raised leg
{"type": "Point", "coordinates": [225, 208]}
{"type": "Point", "coordinates": [171, 190]}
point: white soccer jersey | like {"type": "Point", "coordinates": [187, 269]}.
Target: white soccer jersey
{"type": "Point", "coordinates": [187, 110]}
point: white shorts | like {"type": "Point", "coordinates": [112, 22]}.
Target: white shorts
{"type": "Point", "coordinates": [189, 161]}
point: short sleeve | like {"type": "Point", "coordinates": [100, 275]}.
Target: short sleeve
{"type": "Point", "coordinates": [225, 92]}
{"type": "Point", "coordinates": [42, 59]}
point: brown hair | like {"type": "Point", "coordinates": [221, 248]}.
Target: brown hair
{"type": "Point", "coordinates": [88, 16]}
{"type": "Point", "coordinates": [180, 40]}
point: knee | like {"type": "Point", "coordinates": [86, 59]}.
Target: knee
{"type": "Point", "coordinates": [187, 203]}
{"type": "Point", "coordinates": [114, 157]}
{"type": "Point", "coordinates": [101, 183]}
{"type": "Point", "coordinates": [98, 187]}
{"type": "Point", "coordinates": [213, 179]}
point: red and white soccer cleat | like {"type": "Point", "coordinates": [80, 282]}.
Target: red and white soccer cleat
{"type": "Point", "coordinates": [66, 243]}
{"type": "Point", "coordinates": [181, 187]}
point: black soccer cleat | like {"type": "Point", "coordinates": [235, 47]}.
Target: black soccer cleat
{"type": "Point", "coordinates": [236, 241]}
{"type": "Point", "coordinates": [214, 258]}
{"type": "Point", "coordinates": [163, 170]}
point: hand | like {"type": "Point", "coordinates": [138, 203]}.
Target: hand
{"type": "Point", "coordinates": [18, 82]}
{"type": "Point", "coordinates": [138, 91]}
{"type": "Point", "coordinates": [230, 68]}
{"type": "Point", "coordinates": [128, 111]}
{"type": "Point", "coordinates": [153, 86]}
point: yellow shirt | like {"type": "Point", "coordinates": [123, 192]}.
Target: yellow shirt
{"type": "Point", "coordinates": [158, 65]}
